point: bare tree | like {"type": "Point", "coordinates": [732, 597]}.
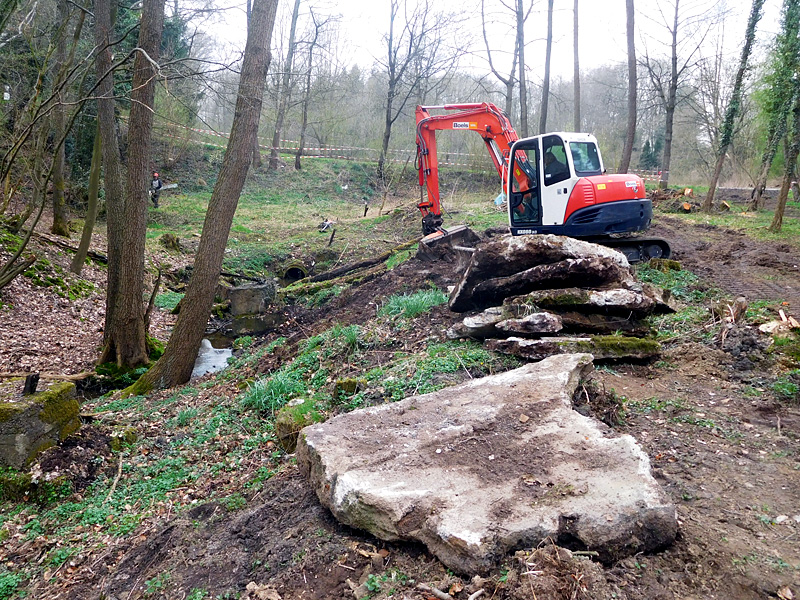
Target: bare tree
{"type": "Point", "coordinates": [126, 341]}
{"type": "Point", "coordinates": [318, 26]}
{"type": "Point", "coordinates": [175, 366]}
{"type": "Point", "coordinates": [687, 34]}
{"type": "Point", "coordinates": [790, 163]}
{"type": "Point", "coordinates": [76, 266]}
{"type": "Point", "coordinates": [546, 82]}
{"type": "Point", "coordinates": [523, 82]}
{"type": "Point", "coordinates": [576, 76]}
{"type": "Point", "coordinates": [415, 53]}
{"type": "Point", "coordinates": [735, 101]}
{"type": "Point", "coordinates": [510, 80]}
{"type": "Point", "coordinates": [114, 185]}
{"type": "Point", "coordinates": [285, 89]}
{"type": "Point", "coordinates": [630, 132]}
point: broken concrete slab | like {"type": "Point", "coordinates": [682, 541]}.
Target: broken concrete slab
{"type": "Point", "coordinates": [493, 465]}
{"type": "Point", "coordinates": [34, 423]}
{"type": "Point", "coordinates": [591, 271]}
{"type": "Point", "coordinates": [508, 256]}
{"type": "Point", "coordinates": [480, 326]}
{"type": "Point", "coordinates": [602, 347]}
{"type": "Point", "coordinates": [640, 302]}
{"type": "Point", "coordinates": [533, 324]}
{"type": "Point", "coordinates": [495, 322]}
{"type": "Point", "coordinates": [252, 299]}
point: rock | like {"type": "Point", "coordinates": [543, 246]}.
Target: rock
{"type": "Point", "coordinates": [256, 324]}
{"type": "Point", "coordinates": [460, 472]}
{"type": "Point", "coordinates": [507, 256]}
{"type": "Point", "coordinates": [536, 323]}
{"type": "Point", "coordinates": [601, 347]}
{"type": "Point", "coordinates": [37, 422]}
{"type": "Point", "coordinates": [171, 241]}
{"type": "Point", "coordinates": [291, 419]}
{"type": "Point", "coordinates": [478, 326]}
{"type": "Point", "coordinates": [252, 299]}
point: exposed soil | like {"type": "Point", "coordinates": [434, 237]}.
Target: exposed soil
{"type": "Point", "coordinates": [725, 450]}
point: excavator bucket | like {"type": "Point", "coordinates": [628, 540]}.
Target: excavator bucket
{"type": "Point", "coordinates": [459, 240]}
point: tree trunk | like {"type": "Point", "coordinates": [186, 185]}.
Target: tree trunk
{"type": "Point", "coordinates": [735, 103]}
{"type": "Point", "coordinates": [175, 366]}
{"type": "Point", "coordinates": [576, 76]}
{"type": "Point", "coordinates": [91, 210]}
{"type": "Point", "coordinates": [790, 165]}
{"type": "Point", "coordinates": [284, 91]}
{"type": "Point", "coordinates": [112, 163]}
{"type": "Point", "coordinates": [523, 85]}
{"type": "Point", "coordinates": [307, 96]}
{"type": "Point", "coordinates": [127, 340]}
{"type": "Point", "coordinates": [778, 101]}
{"type": "Point", "coordinates": [671, 102]}
{"type": "Point", "coordinates": [60, 217]}
{"type": "Point", "coordinates": [630, 134]}
{"type": "Point", "coordinates": [546, 82]}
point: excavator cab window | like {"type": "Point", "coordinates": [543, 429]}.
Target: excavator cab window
{"type": "Point", "coordinates": [524, 198]}
{"type": "Point", "coordinates": [556, 166]}
{"type": "Point", "coordinates": [586, 159]}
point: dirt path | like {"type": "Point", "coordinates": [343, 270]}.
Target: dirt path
{"type": "Point", "coordinates": [726, 452]}
{"type": "Point", "coordinates": [733, 262]}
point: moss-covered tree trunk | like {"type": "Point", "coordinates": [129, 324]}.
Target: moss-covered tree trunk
{"type": "Point", "coordinates": [60, 216]}
{"type": "Point", "coordinates": [792, 152]}
{"type": "Point", "coordinates": [127, 338]}
{"type": "Point", "coordinates": [735, 103]}
{"type": "Point", "coordinates": [91, 210]}
{"type": "Point", "coordinates": [175, 366]}
{"type": "Point", "coordinates": [114, 185]}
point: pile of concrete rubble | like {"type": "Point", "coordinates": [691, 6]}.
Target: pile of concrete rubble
{"type": "Point", "coordinates": [546, 295]}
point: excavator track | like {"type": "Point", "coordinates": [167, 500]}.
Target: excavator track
{"type": "Point", "coordinates": [636, 249]}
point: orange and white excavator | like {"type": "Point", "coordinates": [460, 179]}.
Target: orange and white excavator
{"type": "Point", "coordinates": [554, 183]}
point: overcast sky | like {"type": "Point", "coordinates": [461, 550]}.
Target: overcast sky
{"type": "Point", "coordinates": [363, 25]}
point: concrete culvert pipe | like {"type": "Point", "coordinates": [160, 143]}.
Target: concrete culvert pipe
{"type": "Point", "coordinates": [294, 271]}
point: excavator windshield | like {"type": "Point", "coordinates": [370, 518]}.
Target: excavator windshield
{"type": "Point", "coordinates": [586, 159]}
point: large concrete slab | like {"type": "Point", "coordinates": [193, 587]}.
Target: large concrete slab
{"type": "Point", "coordinates": [496, 464]}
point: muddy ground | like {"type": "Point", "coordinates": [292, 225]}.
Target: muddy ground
{"type": "Point", "coordinates": [725, 450]}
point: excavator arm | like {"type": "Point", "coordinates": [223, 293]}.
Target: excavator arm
{"type": "Point", "coordinates": [483, 118]}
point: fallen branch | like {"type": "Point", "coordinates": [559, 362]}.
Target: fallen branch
{"type": "Point", "coordinates": [113, 485]}
{"type": "Point", "coordinates": [300, 289]}
{"type": "Point", "coordinates": [362, 264]}
{"type": "Point", "coordinates": [434, 592]}
{"type": "Point", "coordinates": [56, 376]}
{"type": "Point", "coordinates": [477, 594]}
{"type": "Point", "coordinates": [94, 254]}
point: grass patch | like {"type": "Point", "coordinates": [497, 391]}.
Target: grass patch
{"type": "Point", "coordinates": [684, 285]}
{"type": "Point", "coordinates": [168, 300]}
{"type": "Point", "coordinates": [411, 305]}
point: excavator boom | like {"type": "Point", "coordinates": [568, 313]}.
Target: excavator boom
{"type": "Point", "coordinates": [483, 118]}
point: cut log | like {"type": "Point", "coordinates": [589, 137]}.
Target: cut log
{"type": "Point", "coordinates": [601, 347]}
